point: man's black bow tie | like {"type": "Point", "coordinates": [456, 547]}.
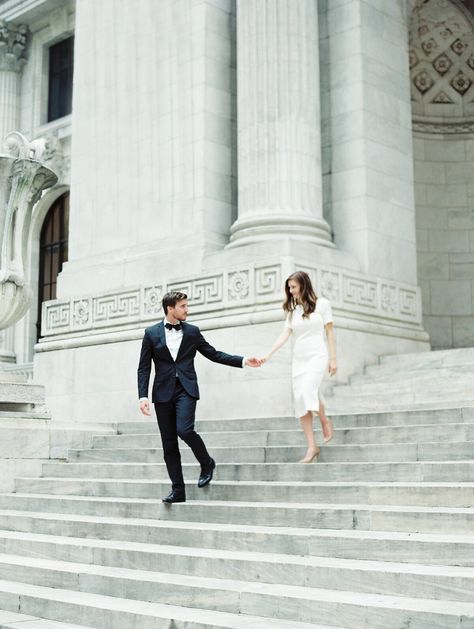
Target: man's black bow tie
{"type": "Point", "coordinates": [170, 326]}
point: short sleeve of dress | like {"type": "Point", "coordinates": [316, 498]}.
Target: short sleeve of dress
{"type": "Point", "coordinates": [326, 311]}
{"type": "Point", "coordinates": [288, 324]}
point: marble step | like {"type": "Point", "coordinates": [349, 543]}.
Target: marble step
{"type": "Point", "coordinates": [110, 612]}
{"type": "Point", "coordinates": [218, 580]}
{"type": "Point", "coordinates": [459, 357]}
{"type": "Point", "coordinates": [373, 435]}
{"type": "Point", "coordinates": [13, 620]}
{"type": "Point", "coordinates": [293, 609]}
{"type": "Point", "coordinates": [318, 516]}
{"type": "Point", "coordinates": [369, 493]}
{"type": "Point", "coordinates": [20, 393]}
{"type": "Point", "coordinates": [433, 471]}
{"type": "Point", "coordinates": [437, 549]}
{"type": "Point", "coordinates": [425, 388]}
{"type": "Point", "coordinates": [441, 416]}
{"type": "Point", "coordinates": [330, 453]}
{"type": "Point", "coordinates": [418, 377]}
{"type": "Point", "coordinates": [375, 404]}
{"type": "Point", "coordinates": [416, 368]}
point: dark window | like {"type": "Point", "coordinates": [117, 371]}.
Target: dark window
{"type": "Point", "coordinates": [53, 251]}
{"type": "Point", "coordinates": [61, 64]}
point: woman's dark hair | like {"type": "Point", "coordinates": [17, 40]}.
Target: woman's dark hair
{"type": "Point", "coordinates": [171, 299]}
{"type": "Point", "coordinates": [307, 297]}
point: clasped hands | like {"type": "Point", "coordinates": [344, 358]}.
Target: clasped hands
{"type": "Point", "coordinates": [253, 362]}
{"type": "Point", "coordinates": [256, 362]}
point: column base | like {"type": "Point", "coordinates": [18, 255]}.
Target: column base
{"type": "Point", "coordinates": [274, 227]}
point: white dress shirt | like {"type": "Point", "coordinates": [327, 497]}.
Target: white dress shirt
{"type": "Point", "coordinates": [173, 340]}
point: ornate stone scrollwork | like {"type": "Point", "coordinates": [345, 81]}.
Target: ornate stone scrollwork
{"type": "Point", "coordinates": [22, 181]}
{"type": "Point", "coordinates": [13, 41]}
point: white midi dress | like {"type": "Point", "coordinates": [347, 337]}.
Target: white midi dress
{"type": "Point", "coordinates": [310, 354]}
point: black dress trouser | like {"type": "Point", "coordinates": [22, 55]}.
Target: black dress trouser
{"type": "Point", "coordinates": [176, 419]}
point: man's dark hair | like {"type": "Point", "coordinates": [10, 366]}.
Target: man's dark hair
{"type": "Point", "coordinates": [171, 299]}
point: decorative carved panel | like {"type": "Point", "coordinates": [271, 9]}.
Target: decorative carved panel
{"type": "Point", "coordinates": [441, 59]}
{"type": "Point", "coordinates": [244, 287]}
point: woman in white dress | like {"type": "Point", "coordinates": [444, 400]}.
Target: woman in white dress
{"type": "Point", "coordinates": [309, 318]}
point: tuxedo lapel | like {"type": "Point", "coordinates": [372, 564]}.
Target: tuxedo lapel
{"type": "Point", "coordinates": [184, 340]}
{"type": "Point", "coordinates": [162, 337]}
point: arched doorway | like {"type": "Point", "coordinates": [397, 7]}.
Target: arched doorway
{"type": "Point", "coordinates": [53, 251]}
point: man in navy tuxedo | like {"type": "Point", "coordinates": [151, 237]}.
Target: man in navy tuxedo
{"type": "Point", "coordinates": [172, 345]}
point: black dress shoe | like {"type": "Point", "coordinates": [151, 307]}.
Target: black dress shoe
{"type": "Point", "coordinates": [206, 475]}
{"type": "Point", "coordinates": [175, 496]}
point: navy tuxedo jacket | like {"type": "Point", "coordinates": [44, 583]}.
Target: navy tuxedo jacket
{"type": "Point", "coordinates": [166, 369]}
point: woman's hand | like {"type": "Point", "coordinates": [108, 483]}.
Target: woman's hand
{"type": "Point", "coordinates": [332, 368]}
{"type": "Point", "coordinates": [264, 359]}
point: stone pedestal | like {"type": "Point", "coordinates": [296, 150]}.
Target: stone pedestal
{"type": "Point", "coordinates": [278, 114]}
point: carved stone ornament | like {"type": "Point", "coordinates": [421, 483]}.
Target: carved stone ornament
{"type": "Point", "coordinates": [238, 285]}
{"type": "Point", "coordinates": [441, 38]}
{"type": "Point", "coordinates": [22, 181]}
{"type": "Point", "coordinates": [13, 40]}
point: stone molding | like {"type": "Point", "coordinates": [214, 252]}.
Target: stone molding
{"type": "Point", "coordinates": [23, 370]}
{"type": "Point", "coordinates": [444, 127]}
{"type": "Point", "coordinates": [235, 290]}
{"type": "Point", "coordinates": [13, 40]}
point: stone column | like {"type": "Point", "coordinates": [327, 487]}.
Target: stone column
{"type": "Point", "coordinates": [368, 134]}
{"type": "Point", "coordinates": [12, 60]}
{"type": "Point", "coordinates": [278, 113]}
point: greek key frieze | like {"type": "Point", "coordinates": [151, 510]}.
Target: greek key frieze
{"type": "Point", "coordinates": [239, 287]}
{"type": "Point", "coordinates": [268, 280]}
{"type": "Point", "coordinates": [56, 316]}
{"type": "Point", "coordinates": [119, 306]}
{"type": "Point", "coordinates": [409, 302]}
{"type": "Point", "coordinates": [359, 292]}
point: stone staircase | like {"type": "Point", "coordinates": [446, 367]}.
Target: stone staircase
{"type": "Point", "coordinates": [378, 534]}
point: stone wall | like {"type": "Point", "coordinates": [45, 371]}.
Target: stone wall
{"type": "Point", "coordinates": [442, 91]}
{"type": "Point", "coordinates": [444, 174]}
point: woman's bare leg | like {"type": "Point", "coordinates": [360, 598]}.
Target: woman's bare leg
{"type": "Point", "coordinates": [326, 424]}
{"type": "Point", "coordinates": [307, 426]}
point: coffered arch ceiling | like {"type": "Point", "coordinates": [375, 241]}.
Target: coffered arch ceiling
{"type": "Point", "coordinates": [441, 39]}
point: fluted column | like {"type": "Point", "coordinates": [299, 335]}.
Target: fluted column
{"type": "Point", "coordinates": [278, 122]}
{"type": "Point", "coordinates": [13, 41]}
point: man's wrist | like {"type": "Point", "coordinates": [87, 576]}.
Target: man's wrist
{"type": "Point", "coordinates": [143, 399]}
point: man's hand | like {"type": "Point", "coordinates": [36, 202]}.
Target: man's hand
{"type": "Point", "coordinates": [253, 362]}
{"type": "Point", "coordinates": [145, 407]}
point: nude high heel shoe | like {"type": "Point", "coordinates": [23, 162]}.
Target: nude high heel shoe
{"type": "Point", "coordinates": [330, 430]}
{"type": "Point", "coordinates": [309, 458]}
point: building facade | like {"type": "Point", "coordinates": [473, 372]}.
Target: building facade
{"type": "Point", "coordinates": [215, 146]}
